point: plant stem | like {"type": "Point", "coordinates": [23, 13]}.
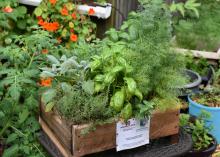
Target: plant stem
{"type": "Point", "coordinates": [32, 58]}
{"type": "Point", "coordinates": [4, 128]}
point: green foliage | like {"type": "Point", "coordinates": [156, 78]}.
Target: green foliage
{"type": "Point", "coordinates": [111, 71]}
{"type": "Point", "coordinates": [189, 5]}
{"type": "Point", "coordinates": [199, 131]}
{"type": "Point", "coordinates": [145, 37]}
{"type": "Point", "coordinates": [200, 65]}
{"type": "Point", "coordinates": [18, 21]}
{"type": "Point", "coordinates": [19, 73]}
{"type": "Point", "coordinates": [80, 107]}
{"type": "Point", "coordinates": [200, 33]}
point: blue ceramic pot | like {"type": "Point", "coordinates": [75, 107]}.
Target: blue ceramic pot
{"type": "Point", "coordinates": [195, 110]}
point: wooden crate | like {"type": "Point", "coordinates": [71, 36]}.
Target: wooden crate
{"type": "Point", "coordinates": [72, 143]}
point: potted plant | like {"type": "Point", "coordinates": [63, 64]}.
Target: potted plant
{"type": "Point", "coordinates": [130, 74]}
{"type": "Point", "coordinates": [208, 101]}
{"type": "Point", "coordinates": [204, 144]}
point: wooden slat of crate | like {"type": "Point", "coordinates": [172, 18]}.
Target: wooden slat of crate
{"type": "Point", "coordinates": [164, 123]}
{"type": "Point", "coordinates": [103, 138]}
{"type": "Point", "coordinates": [60, 127]}
{"type": "Point", "coordinates": [63, 150]}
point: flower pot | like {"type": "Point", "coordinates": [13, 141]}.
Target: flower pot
{"type": "Point", "coordinates": [204, 153]}
{"type": "Point", "coordinates": [196, 108]}
{"type": "Point", "coordinates": [192, 86]}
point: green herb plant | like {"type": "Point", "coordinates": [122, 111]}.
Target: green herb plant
{"type": "Point", "coordinates": [198, 130]}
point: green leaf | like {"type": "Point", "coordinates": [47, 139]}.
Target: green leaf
{"type": "Point", "coordinates": [138, 94]}
{"type": "Point", "coordinates": [117, 100]}
{"type": "Point", "coordinates": [117, 69]}
{"type": "Point", "coordinates": [23, 116]}
{"type": "Point", "coordinates": [38, 11]}
{"type": "Point", "coordinates": [21, 24]}
{"type": "Point", "coordinates": [99, 87]}
{"type": "Point", "coordinates": [53, 59]}
{"type": "Point", "coordinates": [12, 137]}
{"type": "Point", "coordinates": [132, 32]}
{"type": "Point", "coordinates": [126, 112]}
{"type": "Point", "coordinates": [15, 91]}
{"type": "Point", "coordinates": [49, 106]}
{"type": "Point", "coordinates": [109, 78]}
{"type": "Point", "coordinates": [48, 96]}
{"type": "Point", "coordinates": [11, 151]}
{"type": "Point", "coordinates": [88, 86]}
{"type": "Point", "coordinates": [131, 85]}
{"type": "Point", "coordinates": [22, 10]}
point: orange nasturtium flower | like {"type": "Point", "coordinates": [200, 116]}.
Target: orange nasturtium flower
{"type": "Point", "coordinates": [51, 27]}
{"type": "Point", "coordinates": [73, 37]}
{"type": "Point", "coordinates": [7, 9]}
{"type": "Point", "coordinates": [53, 2]}
{"type": "Point", "coordinates": [64, 11]}
{"type": "Point", "coordinates": [44, 51]}
{"type": "Point", "coordinates": [46, 82]}
{"type": "Point", "coordinates": [41, 22]}
{"type": "Point", "coordinates": [91, 11]}
{"type": "Point", "coordinates": [74, 16]}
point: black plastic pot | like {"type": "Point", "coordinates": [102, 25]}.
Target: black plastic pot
{"type": "Point", "coordinates": [204, 153]}
{"type": "Point", "coordinates": [193, 86]}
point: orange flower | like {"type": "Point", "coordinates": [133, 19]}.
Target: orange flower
{"type": "Point", "coordinates": [44, 51]}
{"type": "Point", "coordinates": [91, 11]}
{"type": "Point", "coordinates": [53, 2]}
{"type": "Point", "coordinates": [46, 82]}
{"type": "Point", "coordinates": [74, 16]}
{"type": "Point", "coordinates": [51, 27]}
{"type": "Point", "coordinates": [7, 9]}
{"type": "Point", "coordinates": [73, 37]}
{"type": "Point", "coordinates": [41, 22]}
{"type": "Point", "coordinates": [64, 11]}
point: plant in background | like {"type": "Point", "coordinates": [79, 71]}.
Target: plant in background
{"type": "Point", "coordinates": [19, 83]}
{"type": "Point", "coordinates": [200, 133]}
{"type": "Point", "coordinates": [199, 33]}
{"type": "Point", "coordinates": [189, 5]}
{"type": "Point", "coordinates": [200, 65]}
{"type": "Point", "coordinates": [14, 19]}
{"type": "Point", "coordinates": [63, 20]}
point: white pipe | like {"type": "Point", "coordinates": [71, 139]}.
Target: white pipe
{"type": "Point", "coordinates": [30, 2]}
{"type": "Point", "coordinates": [103, 12]}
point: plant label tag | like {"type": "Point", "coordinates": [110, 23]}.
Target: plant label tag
{"type": "Point", "coordinates": [134, 133]}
